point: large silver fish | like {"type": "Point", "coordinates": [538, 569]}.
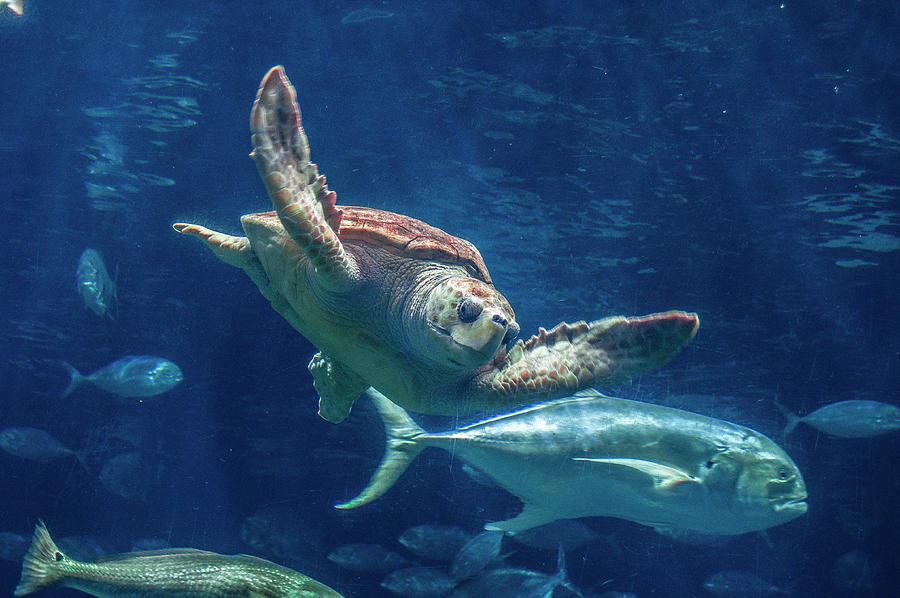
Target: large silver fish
{"type": "Point", "coordinates": [172, 573]}
{"type": "Point", "coordinates": [593, 455]}
{"type": "Point", "coordinates": [131, 376]}
{"type": "Point", "coordinates": [94, 285]}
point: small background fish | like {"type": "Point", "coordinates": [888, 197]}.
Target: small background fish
{"type": "Point", "coordinates": [741, 584]}
{"type": "Point", "coordinates": [33, 444]}
{"type": "Point", "coordinates": [848, 419]}
{"type": "Point", "coordinates": [435, 542]}
{"type": "Point", "coordinates": [130, 376]}
{"type": "Point", "coordinates": [95, 286]}
{"type": "Point", "coordinates": [367, 558]}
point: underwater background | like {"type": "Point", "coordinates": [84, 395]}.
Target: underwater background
{"type": "Point", "coordinates": [738, 159]}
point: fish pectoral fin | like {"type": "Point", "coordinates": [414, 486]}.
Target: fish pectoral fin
{"type": "Point", "coordinates": [664, 477]}
{"type": "Point", "coordinates": [531, 516]}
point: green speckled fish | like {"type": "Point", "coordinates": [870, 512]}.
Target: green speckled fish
{"type": "Point", "coordinates": [172, 573]}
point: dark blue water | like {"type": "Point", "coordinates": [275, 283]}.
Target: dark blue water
{"type": "Point", "coordinates": [737, 159]}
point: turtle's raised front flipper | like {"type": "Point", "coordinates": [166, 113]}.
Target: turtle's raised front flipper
{"type": "Point", "coordinates": [232, 250]}
{"type": "Point", "coordinates": [574, 356]}
{"type": "Point", "coordinates": [304, 204]}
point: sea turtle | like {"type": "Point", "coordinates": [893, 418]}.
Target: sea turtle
{"type": "Point", "coordinates": [396, 304]}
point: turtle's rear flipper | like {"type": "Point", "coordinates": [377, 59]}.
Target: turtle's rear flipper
{"type": "Point", "coordinates": [338, 387]}
{"type": "Point", "coordinates": [574, 356]}
{"type": "Point", "coordinates": [305, 205]}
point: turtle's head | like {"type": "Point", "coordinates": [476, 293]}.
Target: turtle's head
{"type": "Point", "coordinates": [468, 321]}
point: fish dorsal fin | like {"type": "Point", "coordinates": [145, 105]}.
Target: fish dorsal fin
{"type": "Point", "coordinates": [664, 477]}
{"type": "Point", "coordinates": [249, 558]}
{"type": "Point", "coordinates": [578, 397]}
{"type": "Point", "coordinates": [588, 393]}
{"type": "Point", "coordinates": [109, 558]}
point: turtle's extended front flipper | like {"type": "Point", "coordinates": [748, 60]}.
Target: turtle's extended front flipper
{"type": "Point", "coordinates": [232, 250]}
{"type": "Point", "coordinates": [570, 357]}
{"type": "Point", "coordinates": [237, 251]}
{"type": "Point", "coordinates": [305, 205]}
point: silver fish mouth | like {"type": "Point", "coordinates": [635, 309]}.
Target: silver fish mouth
{"type": "Point", "coordinates": [797, 504]}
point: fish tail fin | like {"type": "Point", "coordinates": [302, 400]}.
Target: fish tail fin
{"type": "Point", "coordinates": [561, 577]}
{"type": "Point", "coordinates": [793, 418]}
{"type": "Point", "coordinates": [77, 378]}
{"type": "Point", "coordinates": [561, 564]}
{"type": "Point", "coordinates": [402, 446]}
{"type": "Point", "coordinates": [38, 571]}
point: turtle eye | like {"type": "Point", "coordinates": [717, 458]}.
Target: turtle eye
{"type": "Point", "coordinates": [468, 310]}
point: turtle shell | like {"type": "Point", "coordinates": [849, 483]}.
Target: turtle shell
{"type": "Point", "coordinates": [409, 237]}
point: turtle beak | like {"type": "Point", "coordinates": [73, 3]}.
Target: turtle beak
{"type": "Point", "coordinates": [512, 333]}
{"type": "Point", "coordinates": [472, 323]}
{"type": "Point", "coordinates": [477, 342]}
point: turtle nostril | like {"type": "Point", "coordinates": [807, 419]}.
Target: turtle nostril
{"type": "Point", "coordinates": [499, 319]}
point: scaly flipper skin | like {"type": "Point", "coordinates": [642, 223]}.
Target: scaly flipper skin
{"type": "Point", "coordinates": [574, 356]}
{"type": "Point", "coordinates": [237, 251]}
{"type": "Point", "coordinates": [338, 387]}
{"type": "Point", "coordinates": [232, 250]}
{"type": "Point", "coordinates": [301, 198]}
